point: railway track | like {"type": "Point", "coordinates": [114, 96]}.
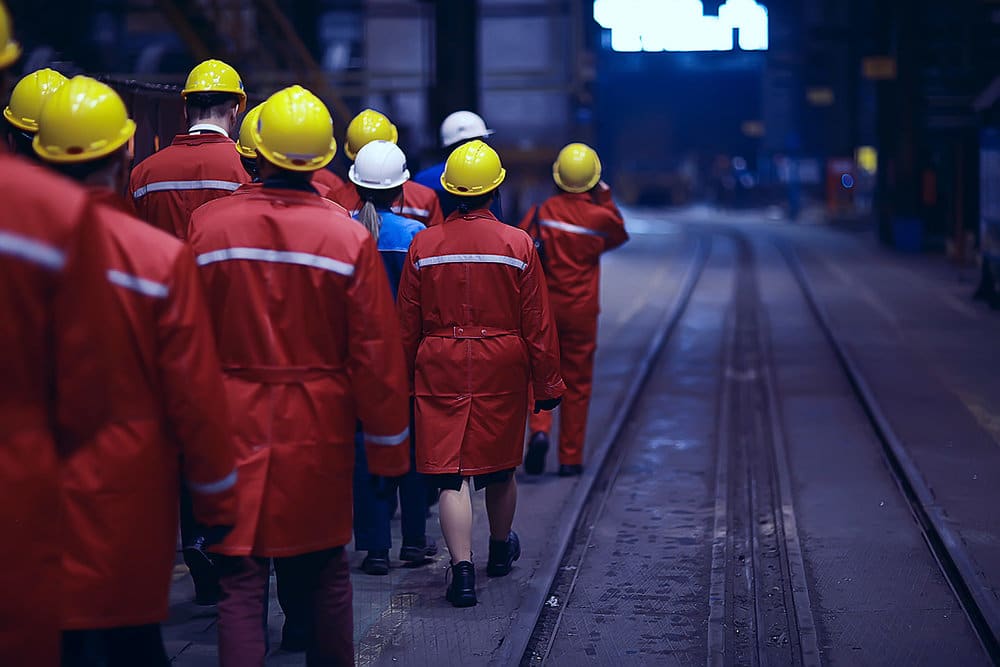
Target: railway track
{"type": "Point", "coordinates": [759, 610]}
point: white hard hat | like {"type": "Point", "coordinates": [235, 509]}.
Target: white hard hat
{"type": "Point", "coordinates": [463, 125]}
{"type": "Point", "coordinates": [379, 165]}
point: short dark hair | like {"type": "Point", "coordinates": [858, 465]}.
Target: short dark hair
{"type": "Point", "coordinates": [476, 202]}
{"type": "Point", "coordinates": [200, 105]}
{"type": "Point", "coordinates": [79, 171]}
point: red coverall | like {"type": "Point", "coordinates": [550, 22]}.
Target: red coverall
{"type": "Point", "coordinates": [57, 337]}
{"type": "Point", "coordinates": [418, 203]}
{"type": "Point", "coordinates": [196, 168]}
{"type": "Point", "coordinates": [120, 487]}
{"type": "Point", "coordinates": [309, 342]}
{"type": "Point", "coordinates": [576, 230]}
{"type": "Point", "coordinates": [477, 332]}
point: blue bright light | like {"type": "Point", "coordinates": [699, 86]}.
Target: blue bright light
{"type": "Point", "coordinates": [681, 25]}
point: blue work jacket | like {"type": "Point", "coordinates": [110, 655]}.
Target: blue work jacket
{"type": "Point", "coordinates": [394, 241]}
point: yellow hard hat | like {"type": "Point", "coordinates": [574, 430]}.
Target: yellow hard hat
{"type": "Point", "coordinates": [215, 76]}
{"type": "Point", "coordinates": [9, 49]}
{"type": "Point", "coordinates": [368, 126]}
{"type": "Point", "coordinates": [84, 120]}
{"type": "Point", "coordinates": [295, 131]}
{"type": "Point", "coordinates": [245, 145]}
{"type": "Point", "coordinates": [27, 98]}
{"type": "Point", "coordinates": [472, 169]}
{"type": "Point", "coordinates": [577, 169]}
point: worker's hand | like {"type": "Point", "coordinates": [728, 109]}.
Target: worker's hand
{"type": "Point", "coordinates": [547, 404]}
{"type": "Point", "coordinates": [215, 534]}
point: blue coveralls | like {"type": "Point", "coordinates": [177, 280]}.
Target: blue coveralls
{"type": "Point", "coordinates": [371, 513]}
{"type": "Point", "coordinates": [431, 177]}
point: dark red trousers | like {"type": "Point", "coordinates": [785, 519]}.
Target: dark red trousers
{"type": "Point", "coordinates": [321, 579]}
{"type": "Point", "coordinates": [577, 344]}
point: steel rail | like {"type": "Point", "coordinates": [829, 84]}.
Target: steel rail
{"type": "Point", "coordinates": [980, 605]}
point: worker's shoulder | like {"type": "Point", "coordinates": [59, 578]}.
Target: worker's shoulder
{"type": "Point", "coordinates": [180, 157]}
{"type": "Point", "coordinates": [38, 200]}
{"type": "Point", "coordinates": [142, 245]}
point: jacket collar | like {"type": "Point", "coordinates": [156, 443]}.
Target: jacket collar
{"type": "Point", "coordinates": [484, 213]}
{"type": "Point", "coordinates": [198, 139]}
{"type": "Point", "coordinates": [208, 128]}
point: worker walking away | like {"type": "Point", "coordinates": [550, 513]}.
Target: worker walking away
{"type": "Point", "coordinates": [59, 338]}
{"type": "Point", "coordinates": [166, 188]}
{"type": "Point", "coordinates": [198, 166]}
{"type": "Point", "coordinates": [477, 332]}
{"type": "Point", "coordinates": [379, 174]}
{"type": "Point", "coordinates": [120, 488]}
{"type": "Point", "coordinates": [574, 228]}
{"type": "Point", "coordinates": [458, 128]}
{"type": "Point", "coordinates": [309, 345]}
{"type": "Point", "coordinates": [21, 112]}
{"type": "Point", "coordinates": [415, 201]}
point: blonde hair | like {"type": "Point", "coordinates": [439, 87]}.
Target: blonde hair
{"type": "Point", "coordinates": [370, 218]}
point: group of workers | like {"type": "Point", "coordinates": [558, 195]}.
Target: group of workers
{"type": "Point", "coordinates": [231, 337]}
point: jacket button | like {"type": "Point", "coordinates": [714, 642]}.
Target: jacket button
{"type": "Point", "coordinates": [461, 331]}
{"type": "Point", "coordinates": [484, 332]}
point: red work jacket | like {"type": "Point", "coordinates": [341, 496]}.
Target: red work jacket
{"type": "Point", "coordinates": [328, 184]}
{"type": "Point", "coordinates": [121, 487]}
{"type": "Point", "coordinates": [57, 336]}
{"type": "Point", "coordinates": [477, 332]}
{"type": "Point", "coordinates": [576, 229]}
{"type": "Point", "coordinates": [195, 169]}
{"type": "Point", "coordinates": [418, 203]}
{"type": "Point", "coordinates": [309, 344]}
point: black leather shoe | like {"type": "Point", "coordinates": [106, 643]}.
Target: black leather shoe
{"type": "Point", "coordinates": [538, 447]}
{"type": "Point", "coordinates": [417, 553]}
{"type": "Point", "coordinates": [502, 555]}
{"type": "Point", "coordinates": [462, 590]}
{"type": "Point", "coordinates": [574, 470]}
{"type": "Point", "coordinates": [376, 563]}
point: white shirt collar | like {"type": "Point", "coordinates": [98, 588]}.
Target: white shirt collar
{"type": "Point", "coordinates": [208, 127]}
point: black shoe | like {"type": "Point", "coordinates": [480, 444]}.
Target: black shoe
{"type": "Point", "coordinates": [376, 562]}
{"type": "Point", "coordinates": [574, 470]}
{"type": "Point", "coordinates": [294, 639]}
{"type": "Point", "coordinates": [502, 556]}
{"type": "Point", "coordinates": [206, 580]}
{"type": "Point", "coordinates": [462, 590]}
{"type": "Point", "coordinates": [538, 447]}
{"type": "Point", "coordinates": [417, 553]}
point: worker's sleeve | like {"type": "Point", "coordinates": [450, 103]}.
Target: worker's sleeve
{"type": "Point", "coordinates": [411, 318]}
{"type": "Point", "coordinates": [436, 217]}
{"type": "Point", "coordinates": [539, 332]}
{"type": "Point", "coordinates": [195, 398]}
{"type": "Point", "coordinates": [376, 366]}
{"type": "Point", "coordinates": [611, 225]}
{"type": "Point", "coordinates": [88, 330]}
{"type": "Point", "coordinates": [139, 205]}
